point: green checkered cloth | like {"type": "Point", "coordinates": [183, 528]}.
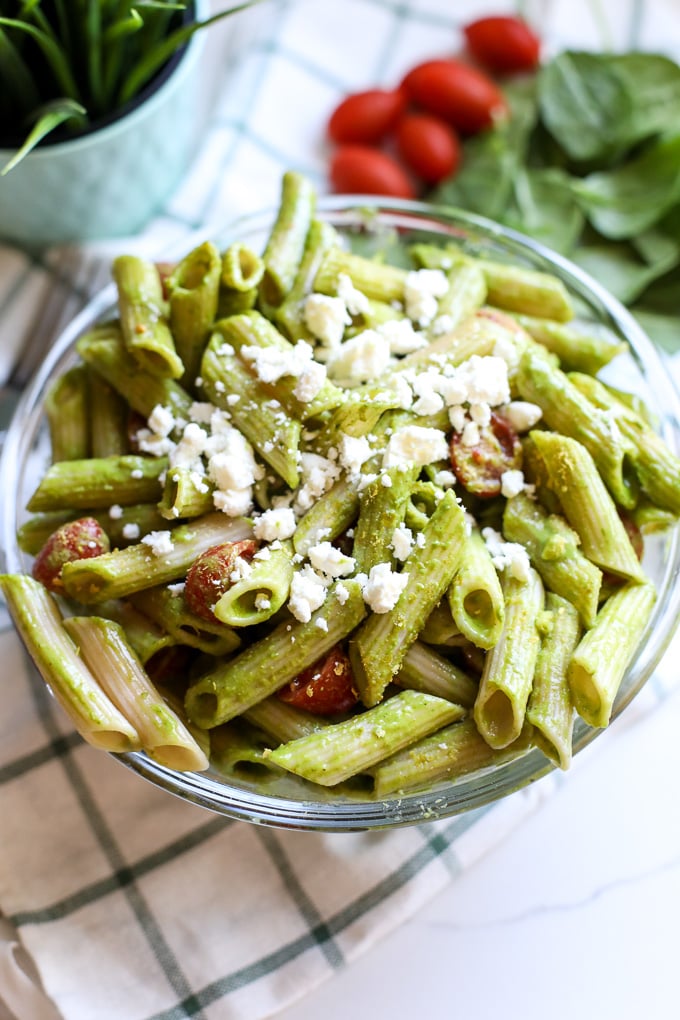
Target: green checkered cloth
{"type": "Point", "coordinates": [119, 901]}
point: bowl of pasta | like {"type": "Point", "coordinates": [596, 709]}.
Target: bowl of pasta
{"type": "Point", "coordinates": [359, 514]}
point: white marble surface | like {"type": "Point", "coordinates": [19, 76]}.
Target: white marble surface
{"type": "Point", "coordinates": [575, 914]}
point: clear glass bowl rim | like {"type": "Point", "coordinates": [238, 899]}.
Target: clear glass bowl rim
{"type": "Point", "coordinates": [469, 792]}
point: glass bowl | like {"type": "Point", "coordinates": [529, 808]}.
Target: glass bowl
{"type": "Point", "coordinates": [289, 803]}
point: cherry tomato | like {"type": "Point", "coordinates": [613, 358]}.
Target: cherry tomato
{"type": "Point", "coordinates": [77, 540]}
{"type": "Point", "coordinates": [209, 576]}
{"type": "Point", "coordinates": [366, 117]}
{"type": "Point", "coordinates": [360, 170]}
{"type": "Point", "coordinates": [428, 145]}
{"type": "Point", "coordinates": [462, 95]}
{"type": "Point", "coordinates": [479, 468]}
{"type": "Point", "coordinates": [326, 688]}
{"type": "Point", "coordinates": [503, 44]}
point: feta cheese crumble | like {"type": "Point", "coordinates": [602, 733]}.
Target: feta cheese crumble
{"type": "Point", "coordinates": [159, 542]}
{"type": "Point", "coordinates": [275, 523]}
{"type": "Point", "coordinates": [382, 588]}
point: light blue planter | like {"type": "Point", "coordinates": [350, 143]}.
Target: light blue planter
{"type": "Point", "coordinates": [111, 182]}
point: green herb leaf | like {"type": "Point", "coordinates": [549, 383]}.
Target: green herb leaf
{"type": "Point", "coordinates": [627, 200]}
{"type": "Point", "coordinates": [53, 114]}
{"type": "Point", "coordinates": [653, 81]}
{"type": "Point", "coordinates": [617, 267]}
{"type": "Point", "coordinates": [586, 104]}
{"type": "Point", "coordinates": [544, 207]}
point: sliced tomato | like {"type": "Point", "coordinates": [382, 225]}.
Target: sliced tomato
{"type": "Point", "coordinates": [479, 468]}
{"type": "Point", "coordinates": [77, 540]}
{"type": "Point", "coordinates": [326, 688]}
{"type": "Point", "coordinates": [366, 117]}
{"type": "Point", "coordinates": [210, 575]}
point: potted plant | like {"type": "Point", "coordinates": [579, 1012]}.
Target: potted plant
{"type": "Point", "coordinates": [97, 112]}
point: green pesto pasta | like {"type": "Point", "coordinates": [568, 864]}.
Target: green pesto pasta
{"type": "Point", "coordinates": [374, 521]}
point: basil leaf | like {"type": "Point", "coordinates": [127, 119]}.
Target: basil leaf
{"type": "Point", "coordinates": [623, 202]}
{"type": "Point", "coordinates": [617, 267]}
{"type": "Point", "coordinates": [543, 206]}
{"type": "Point", "coordinates": [653, 81]}
{"type": "Point", "coordinates": [586, 104]}
{"type": "Point", "coordinates": [663, 330]}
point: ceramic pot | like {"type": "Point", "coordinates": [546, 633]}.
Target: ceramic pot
{"type": "Point", "coordinates": [110, 181]}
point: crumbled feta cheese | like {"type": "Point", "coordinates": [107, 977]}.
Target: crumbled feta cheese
{"type": "Point", "coordinates": [486, 380]}
{"type": "Point", "coordinates": [401, 336]}
{"type": "Point", "coordinates": [176, 589]}
{"type": "Point", "coordinates": [136, 473]}
{"type": "Point", "coordinates": [382, 588]}
{"type": "Point", "coordinates": [512, 483]}
{"type": "Point", "coordinates": [273, 524]}
{"type": "Point", "coordinates": [355, 301]}
{"type": "Point", "coordinates": [509, 556]}
{"type": "Point", "coordinates": [307, 593]}
{"type": "Point", "coordinates": [429, 400]}
{"type": "Point", "coordinates": [201, 412]}
{"type": "Point", "coordinates": [521, 414]}
{"type": "Point", "coordinates": [470, 435]}
{"type": "Point", "coordinates": [402, 542]}
{"type": "Point", "coordinates": [354, 451]}
{"type": "Point", "coordinates": [329, 560]}
{"type": "Point", "coordinates": [272, 363]}
{"type": "Point", "coordinates": [317, 476]}
{"type": "Point", "coordinates": [321, 624]}
{"type": "Point", "coordinates": [161, 420]}
{"type": "Point", "coordinates": [233, 470]}
{"type": "Point", "coordinates": [444, 479]}
{"type": "Point", "coordinates": [457, 417]}
{"type": "Point", "coordinates": [422, 289]}
{"type": "Point", "coordinates": [415, 444]}
{"type": "Point", "coordinates": [361, 358]}
{"type": "Point", "coordinates": [187, 452]}
{"type": "Point", "coordinates": [131, 531]}
{"type": "Point", "coordinates": [159, 542]}
{"type": "Point", "coordinates": [341, 593]}
{"type": "Point", "coordinates": [115, 512]}
{"type": "Point", "coordinates": [326, 317]}
{"type": "Point", "coordinates": [480, 414]}
{"type": "Point", "coordinates": [262, 602]}
{"type": "Point", "coordinates": [386, 481]}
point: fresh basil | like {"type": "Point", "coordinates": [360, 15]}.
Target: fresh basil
{"type": "Point", "coordinates": [589, 164]}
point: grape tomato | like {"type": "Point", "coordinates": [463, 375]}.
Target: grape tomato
{"type": "Point", "coordinates": [326, 688]}
{"type": "Point", "coordinates": [210, 575]}
{"type": "Point", "coordinates": [503, 44]}
{"type": "Point", "coordinates": [464, 96]}
{"type": "Point", "coordinates": [76, 540]}
{"type": "Point", "coordinates": [360, 170]}
{"type": "Point", "coordinates": [479, 467]}
{"type": "Point", "coordinates": [366, 117]}
{"type": "Point", "coordinates": [428, 145]}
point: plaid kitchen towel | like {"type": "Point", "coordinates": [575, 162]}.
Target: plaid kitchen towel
{"type": "Point", "coordinates": [120, 901]}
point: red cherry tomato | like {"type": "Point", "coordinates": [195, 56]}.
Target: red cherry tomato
{"type": "Point", "coordinates": [209, 576]}
{"type": "Point", "coordinates": [503, 44]}
{"type": "Point", "coordinates": [462, 95]}
{"type": "Point", "coordinates": [366, 117]}
{"type": "Point", "coordinates": [77, 540]}
{"type": "Point", "coordinates": [360, 170]}
{"type": "Point", "coordinates": [479, 468]}
{"type": "Point", "coordinates": [326, 688]}
{"type": "Point", "coordinates": [428, 145]}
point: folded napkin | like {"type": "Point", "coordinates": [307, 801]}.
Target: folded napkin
{"type": "Point", "coordinates": [120, 901]}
